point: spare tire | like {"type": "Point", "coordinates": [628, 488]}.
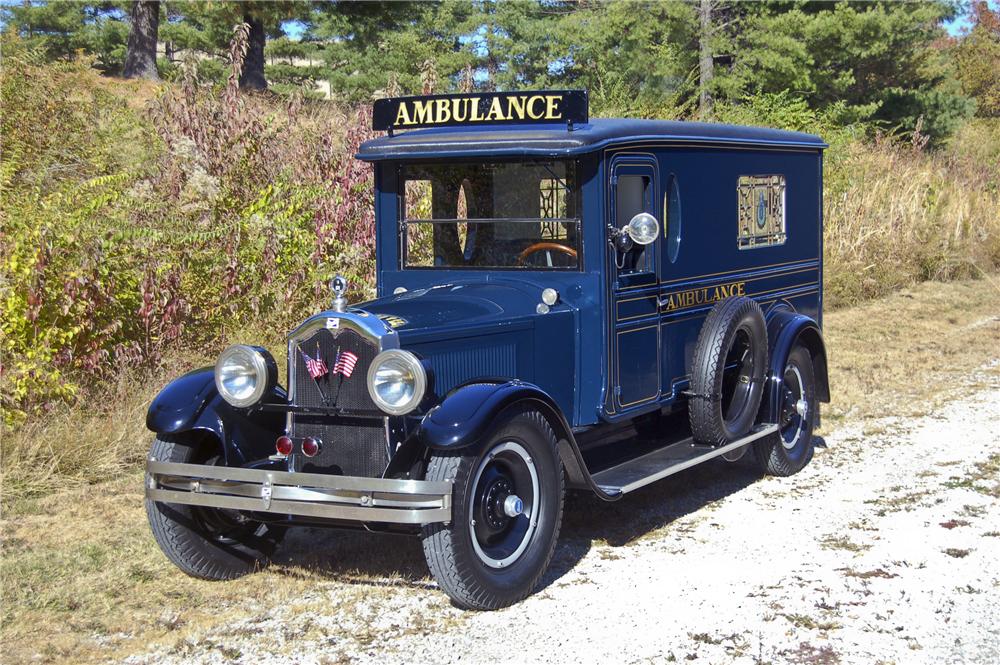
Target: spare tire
{"type": "Point", "coordinates": [727, 372]}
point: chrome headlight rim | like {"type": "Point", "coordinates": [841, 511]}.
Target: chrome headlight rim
{"type": "Point", "coordinates": [264, 371]}
{"type": "Point", "coordinates": [416, 368]}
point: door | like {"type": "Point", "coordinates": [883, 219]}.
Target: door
{"type": "Point", "coordinates": [635, 374]}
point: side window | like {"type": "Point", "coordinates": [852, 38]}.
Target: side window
{"type": "Point", "coordinates": [632, 194]}
{"type": "Point", "coordinates": [761, 205]}
{"type": "Point", "coordinates": [672, 213]}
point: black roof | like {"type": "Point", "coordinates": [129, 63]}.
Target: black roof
{"type": "Point", "coordinates": [558, 141]}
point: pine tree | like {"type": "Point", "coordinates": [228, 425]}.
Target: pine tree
{"type": "Point", "coordinates": [140, 59]}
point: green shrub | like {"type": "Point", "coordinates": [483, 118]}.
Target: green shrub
{"type": "Point", "coordinates": [130, 231]}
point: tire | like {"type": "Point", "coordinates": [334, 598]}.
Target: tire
{"type": "Point", "coordinates": [496, 560]}
{"type": "Point", "coordinates": [723, 403]}
{"type": "Point", "coordinates": [206, 543]}
{"type": "Point", "coordinates": [789, 450]}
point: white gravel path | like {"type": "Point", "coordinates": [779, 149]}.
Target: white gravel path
{"type": "Point", "coordinates": [876, 552]}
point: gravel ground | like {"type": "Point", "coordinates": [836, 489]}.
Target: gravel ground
{"type": "Point", "coordinates": [884, 549]}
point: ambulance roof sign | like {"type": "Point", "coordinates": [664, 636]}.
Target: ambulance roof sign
{"type": "Point", "coordinates": [488, 108]}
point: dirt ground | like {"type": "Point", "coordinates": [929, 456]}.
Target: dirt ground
{"type": "Point", "coordinates": [867, 556]}
{"type": "Point", "coordinates": [884, 549]}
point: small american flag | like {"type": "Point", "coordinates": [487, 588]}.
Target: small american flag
{"type": "Point", "coordinates": [315, 366]}
{"type": "Point", "coordinates": [345, 364]}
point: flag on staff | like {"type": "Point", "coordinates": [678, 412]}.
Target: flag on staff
{"type": "Point", "coordinates": [345, 364]}
{"type": "Point", "coordinates": [315, 366]}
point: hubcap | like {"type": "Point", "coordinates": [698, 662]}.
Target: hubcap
{"type": "Point", "coordinates": [795, 409]}
{"type": "Point", "coordinates": [504, 504]}
{"type": "Point", "coordinates": [513, 506]}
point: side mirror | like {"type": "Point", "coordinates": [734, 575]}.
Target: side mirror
{"type": "Point", "coordinates": [643, 229]}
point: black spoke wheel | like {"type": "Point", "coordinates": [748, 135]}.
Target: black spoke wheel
{"type": "Point", "coordinates": [791, 448]}
{"type": "Point", "coordinates": [506, 512]}
{"type": "Point", "coordinates": [208, 543]}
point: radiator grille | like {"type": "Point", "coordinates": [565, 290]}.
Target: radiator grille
{"type": "Point", "coordinates": [330, 390]}
{"type": "Point", "coordinates": [352, 447]}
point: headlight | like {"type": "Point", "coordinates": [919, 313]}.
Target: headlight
{"type": "Point", "coordinates": [396, 381]}
{"type": "Point", "coordinates": [244, 373]}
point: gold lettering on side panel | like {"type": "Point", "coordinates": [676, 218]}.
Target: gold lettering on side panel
{"type": "Point", "coordinates": [704, 296]}
{"type": "Point", "coordinates": [460, 109]}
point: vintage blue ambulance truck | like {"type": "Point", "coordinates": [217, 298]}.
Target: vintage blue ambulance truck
{"type": "Point", "coordinates": [563, 303]}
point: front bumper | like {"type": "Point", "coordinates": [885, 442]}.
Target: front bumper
{"type": "Point", "coordinates": [306, 494]}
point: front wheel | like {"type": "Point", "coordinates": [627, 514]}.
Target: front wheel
{"type": "Point", "coordinates": [789, 450]}
{"type": "Point", "coordinates": [208, 543]}
{"type": "Point", "coordinates": [507, 505]}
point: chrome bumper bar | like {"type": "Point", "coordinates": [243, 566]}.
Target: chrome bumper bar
{"type": "Point", "coordinates": [306, 494]}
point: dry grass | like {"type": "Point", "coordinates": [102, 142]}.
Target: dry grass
{"type": "Point", "coordinates": [896, 216]}
{"type": "Point", "coordinates": [102, 436]}
{"type": "Point", "coordinates": [83, 580]}
{"type": "Point", "coordinates": [900, 355]}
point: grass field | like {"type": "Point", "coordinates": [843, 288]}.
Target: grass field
{"type": "Point", "coordinates": [83, 580]}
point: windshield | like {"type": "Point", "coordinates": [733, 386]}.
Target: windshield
{"type": "Point", "coordinates": [491, 215]}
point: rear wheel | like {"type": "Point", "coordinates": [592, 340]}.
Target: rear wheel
{"type": "Point", "coordinates": [791, 448]}
{"type": "Point", "coordinates": [207, 543]}
{"type": "Point", "coordinates": [506, 512]}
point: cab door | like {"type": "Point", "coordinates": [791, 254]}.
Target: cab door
{"type": "Point", "coordinates": [635, 329]}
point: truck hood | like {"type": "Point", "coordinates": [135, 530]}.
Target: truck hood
{"type": "Point", "coordinates": [457, 308]}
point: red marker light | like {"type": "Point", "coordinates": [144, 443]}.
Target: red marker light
{"type": "Point", "coordinates": [283, 445]}
{"type": "Point", "coordinates": [310, 447]}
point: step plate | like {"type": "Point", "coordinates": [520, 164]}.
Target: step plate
{"type": "Point", "coordinates": [641, 471]}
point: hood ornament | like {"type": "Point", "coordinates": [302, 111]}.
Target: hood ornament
{"type": "Point", "coordinates": [339, 286]}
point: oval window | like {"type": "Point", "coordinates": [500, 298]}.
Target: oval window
{"type": "Point", "coordinates": [672, 203]}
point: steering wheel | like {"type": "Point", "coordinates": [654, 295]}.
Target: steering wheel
{"type": "Point", "coordinates": [545, 247]}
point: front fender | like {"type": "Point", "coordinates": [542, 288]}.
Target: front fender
{"type": "Point", "coordinates": [785, 329]}
{"type": "Point", "coordinates": [181, 402]}
{"type": "Point", "coordinates": [191, 403]}
{"type": "Point", "coordinates": [467, 413]}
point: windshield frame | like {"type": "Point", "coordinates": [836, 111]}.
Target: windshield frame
{"type": "Point", "coordinates": [576, 193]}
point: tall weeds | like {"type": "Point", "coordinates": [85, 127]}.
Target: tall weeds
{"type": "Point", "coordinates": [897, 215]}
{"type": "Point", "coordinates": [129, 234]}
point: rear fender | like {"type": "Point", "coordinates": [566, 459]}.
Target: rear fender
{"type": "Point", "coordinates": [468, 412]}
{"type": "Point", "coordinates": [191, 403]}
{"type": "Point", "coordinates": [786, 329]}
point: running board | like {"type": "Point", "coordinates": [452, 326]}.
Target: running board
{"type": "Point", "coordinates": [649, 468]}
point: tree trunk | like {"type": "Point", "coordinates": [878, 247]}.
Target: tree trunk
{"type": "Point", "coordinates": [140, 58]}
{"type": "Point", "coordinates": [706, 67]}
{"type": "Point", "coordinates": [253, 65]}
